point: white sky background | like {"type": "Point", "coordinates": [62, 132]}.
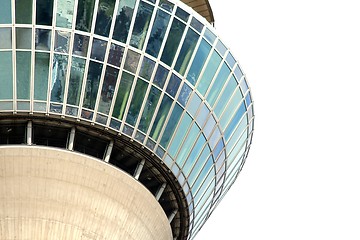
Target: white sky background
{"type": "Point", "coordinates": [302, 177]}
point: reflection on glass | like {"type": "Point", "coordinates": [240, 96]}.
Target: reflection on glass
{"type": "Point", "coordinates": [232, 106]}
{"type": "Point", "coordinates": [173, 85]}
{"type": "Point", "coordinates": [64, 13]}
{"type": "Point", "coordinates": [62, 41]}
{"type": "Point", "coordinates": [98, 49]}
{"type": "Point", "coordinates": [166, 5]}
{"type": "Point", "coordinates": [92, 84]}
{"type": "Point", "coordinates": [42, 39]}
{"type": "Point", "coordinates": [184, 94]}
{"type": "Point", "coordinates": [202, 115]}
{"type": "Point", "coordinates": [160, 76]}
{"type": "Point", "coordinates": [136, 102]}
{"type": "Point", "coordinates": [104, 17]}
{"type": "Point", "coordinates": [198, 166]}
{"type": "Point", "coordinates": [23, 11]}
{"type": "Point", "coordinates": [23, 38]}
{"type": "Point", "coordinates": [234, 121]}
{"type": "Point", "coordinates": [108, 89]}
{"type": "Point", "coordinates": [115, 55]}
{"type": "Point", "coordinates": [157, 33]}
{"type": "Point", "coordinates": [6, 75]}
{"type": "Point", "coordinates": [209, 72]}
{"type": "Point", "coordinates": [122, 95]}
{"type": "Point", "coordinates": [75, 81]}
{"type": "Point", "coordinates": [209, 36]}
{"type": "Point", "coordinates": [204, 171]}
{"type": "Point", "coordinates": [5, 12]}
{"type": "Point", "coordinates": [141, 26]}
{"type": "Point", "coordinates": [23, 74]}
{"type": "Point", "coordinates": [230, 60]}
{"type": "Point", "coordinates": [225, 96]}
{"type": "Point", "coordinates": [194, 104]}
{"type": "Point", "coordinates": [196, 24]}
{"type": "Point", "coordinates": [123, 20]}
{"type": "Point", "coordinates": [171, 125]}
{"type": "Point", "coordinates": [221, 48]}
{"type": "Point", "coordinates": [238, 73]}
{"type": "Point", "coordinates": [198, 62]}
{"type": "Point", "coordinates": [42, 62]}
{"type": "Point", "coordinates": [132, 61]}
{"type": "Point", "coordinates": [84, 15]}
{"type": "Point", "coordinates": [218, 84]}
{"type": "Point", "coordinates": [59, 71]}
{"type": "Point", "coordinates": [5, 38]}
{"type": "Point", "coordinates": [160, 117]}
{"type": "Point", "coordinates": [186, 51]}
{"type": "Point", "coordinates": [180, 13]}
{"type": "Point", "coordinates": [179, 135]}
{"type": "Point", "coordinates": [147, 68]}
{"type": "Point", "coordinates": [44, 12]}
{"type": "Point", "coordinates": [149, 109]}
{"type": "Point", "coordinates": [195, 152]}
{"type": "Point", "coordinates": [188, 144]}
{"type": "Point", "coordinates": [172, 42]}
{"type": "Point", "coordinates": [81, 45]}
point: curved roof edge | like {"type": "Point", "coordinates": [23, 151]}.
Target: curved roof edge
{"type": "Point", "coordinates": [202, 7]}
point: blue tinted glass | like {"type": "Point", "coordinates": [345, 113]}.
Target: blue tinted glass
{"type": "Point", "coordinates": [230, 59]}
{"type": "Point", "coordinates": [23, 74]}
{"type": "Point", "coordinates": [231, 106]}
{"type": "Point", "coordinates": [42, 61]}
{"type": "Point", "coordinates": [123, 20]}
{"type": "Point", "coordinates": [6, 75]}
{"type": "Point", "coordinates": [104, 17]}
{"type": "Point", "coordinates": [44, 12]}
{"type": "Point", "coordinates": [179, 135]}
{"type": "Point", "coordinates": [218, 84]}
{"type": "Point", "coordinates": [234, 121]}
{"type": "Point", "coordinates": [221, 48]}
{"type": "Point", "coordinates": [225, 96]}
{"type": "Point", "coordinates": [186, 51]}
{"type": "Point", "coordinates": [196, 24]}
{"type": "Point", "coordinates": [172, 42]}
{"type": "Point", "coordinates": [84, 15]}
{"type": "Point", "coordinates": [122, 95]}
{"type": "Point", "coordinates": [141, 26]}
{"type": "Point", "coordinates": [194, 104]}
{"type": "Point", "coordinates": [238, 73]}
{"type": "Point", "coordinates": [173, 85]}
{"type": "Point", "coordinates": [161, 117]}
{"type": "Point", "coordinates": [149, 109]}
{"type": "Point", "coordinates": [170, 127]}
{"type": "Point", "coordinates": [5, 12]}
{"type": "Point", "coordinates": [157, 33]}
{"type": "Point", "coordinates": [59, 70]}
{"type": "Point", "coordinates": [248, 99]}
{"type": "Point", "coordinates": [136, 102]}
{"type": "Point", "coordinates": [98, 49]}
{"type": "Point", "coordinates": [203, 115]}
{"type": "Point", "coordinates": [64, 13]}
{"type": "Point", "coordinates": [198, 62]}
{"type": "Point", "coordinates": [166, 5]}
{"type": "Point", "coordinates": [209, 73]}
{"type": "Point", "coordinates": [160, 76]}
{"type": "Point", "coordinates": [147, 68]}
{"type": "Point", "coordinates": [218, 148]}
{"type": "Point", "coordinates": [209, 36]}
{"type": "Point", "coordinates": [92, 84]}
{"type": "Point", "coordinates": [203, 159]}
{"type": "Point", "coordinates": [188, 144]}
{"type": "Point", "coordinates": [184, 94]}
{"type": "Point", "coordinates": [195, 152]}
{"type": "Point", "coordinates": [182, 14]}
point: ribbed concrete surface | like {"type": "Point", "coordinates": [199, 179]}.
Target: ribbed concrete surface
{"type": "Point", "coordinates": [56, 194]}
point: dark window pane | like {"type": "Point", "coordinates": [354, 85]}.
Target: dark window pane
{"type": "Point", "coordinates": [23, 38]}
{"type": "Point", "coordinates": [157, 33]}
{"type": "Point", "coordinates": [44, 12]}
{"type": "Point", "coordinates": [104, 17]}
{"type": "Point", "coordinates": [6, 76]}
{"type": "Point", "coordinates": [132, 61]}
{"type": "Point", "coordinates": [90, 145]}
{"type": "Point", "coordinates": [23, 11]}
{"type": "Point", "coordinates": [42, 61]}
{"type": "Point", "coordinates": [149, 109]}
{"type": "Point", "coordinates": [62, 41]}
{"type": "Point", "coordinates": [196, 24]}
{"type": "Point", "coordinates": [172, 42]}
{"type": "Point", "coordinates": [98, 49]}
{"type": "Point", "coordinates": [182, 14]}
{"type": "Point", "coordinates": [108, 88]}
{"type": "Point", "coordinates": [184, 94]}
{"type": "Point", "coordinates": [141, 26]}
{"type": "Point", "coordinates": [115, 55]}
{"type": "Point", "coordinates": [173, 85]}
{"type": "Point", "coordinates": [123, 20]}
{"type": "Point", "coordinates": [170, 127]}
{"type": "Point", "coordinates": [12, 134]}
{"type": "Point", "coordinates": [147, 68]}
{"type": "Point", "coordinates": [84, 15]}
{"type": "Point", "coordinates": [59, 71]}
{"type": "Point", "coordinates": [186, 51]}
{"type": "Point", "coordinates": [92, 84]}
{"type": "Point", "coordinates": [161, 117]}
{"type": "Point", "coordinates": [136, 102]}
{"type": "Point", "coordinates": [166, 5]}
{"type": "Point", "coordinates": [75, 81]}
{"type": "Point", "coordinates": [122, 95]}
{"type": "Point", "coordinates": [50, 136]}
{"type": "Point", "coordinates": [42, 39]}
{"type": "Point", "coordinates": [160, 76]}
{"type": "Point", "coordinates": [81, 45]}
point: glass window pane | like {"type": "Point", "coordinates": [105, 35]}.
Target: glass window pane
{"type": "Point", "coordinates": [198, 62]}
{"type": "Point", "coordinates": [182, 14]}
{"type": "Point", "coordinates": [81, 45]}
{"type": "Point", "coordinates": [59, 71]}
{"type": "Point", "coordinates": [209, 73]}
{"type": "Point", "coordinates": [44, 12]}
{"type": "Point", "coordinates": [195, 152]}
{"type": "Point", "coordinates": [98, 49]}
{"type": "Point", "coordinates": [204, 171]}
{"type": "Point", "coordinates": [202, 115]}
{"type": "Point", "coordinates": [64, 13]}
{"type": "Point", "coordinates": [84, 15]}
{"type": "Point", "coordinates": [196, 24]}
{"type": "Point", "coordinates": [209, 36]}
{"type": "Point", "coordinates": [180, 134]}
{"type": "Point", "coordinates": [75, 81]}
{"type": "Point", "coordinates": [194, 104]}
{"type": "Point", "coordinates": [115, 55]}
{"type": "Point", "coordinates": [161, 117]}
{"type": "Point", "coordinates": [23, 74]}
{"type": "Point", "coordinates": [166, 5]}
{"type": "Point", "coordinates": [6, 75]}
{"type": "Point", "coordinates": [157, 33]}
{"type": "Point", "coordinates": [147, 68]}
{"type": "Point", "coordinates": [218, 84]}
{"type": "Point", "coordinates": [173, 41]}
{"type": "Point", "coordinates": [132, 61]}
{"type": "Point", "coordinates": [186, 51]}
{"type": "Point", "coordinates": [149, 109]}
{"type": "Point", "coordinates": [221, 48]}
{"type": "Point", "coordinates": [122, 95]}
{"type": "Point", "coordinates": [160, 76]}
{"type": "Point", "coordinates": [62, 41]}
{"type": "Point", "coordinates": [42, 39]}
{"type": "Point", "coordinates": [170, 127]}
{"type": "Point", "coordinates": [108, 88]}
{"type": "Point", "coordinates": [141, 26]}
{"type": "Point", "coordinates": [184, 94]}
{"type": "Point", "coordinates": [173, 85]}
{"type": "Point", "coordinates": [228, 113]}
{"type": "Point", "coordinates": [5, 12]}
{"type": "Point", "coordinates": [136, 102]}
{"type": "Point", "coordinates": [123, 20]}
{"type": "Point", "coordinates": [230, 60]}
{"type": "Point", "coordinates": [92, 84]}
{"type": "Point", "coordinates": [104, 17]}
{"type": "Point", "coordinates": [225, 96]}
{"type": "Point", "coordinates": [234, 121]}
{"type": "Point", "coordinates": [42, 62]}
{"type": "Point", "coordinates": [238, 73]}
{"type": "Point", "coordinates": [200, 163]}
{"type": "Point", "coordinates": [23, 38]}
{"type": "Point", "coordinates": [23, 11]}
{"type": "Point", "coordinates": [5, 38]}
{"type": "Point", "coordinates": [188, 144]}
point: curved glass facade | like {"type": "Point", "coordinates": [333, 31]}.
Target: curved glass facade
{"type": "Point", "coordinates": [153, 70]}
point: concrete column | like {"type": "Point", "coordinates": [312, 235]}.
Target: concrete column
{"type": "Point", "coordinates": [71, 139]}
{"type": "Point", "coordinates": [160, 191]}
{"type": "Point", "coordinates": [139, 169]}
{"type": "Point", "coordinates": [29, 133]}
{"type": "Point", "coordinates": [108, 151]}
